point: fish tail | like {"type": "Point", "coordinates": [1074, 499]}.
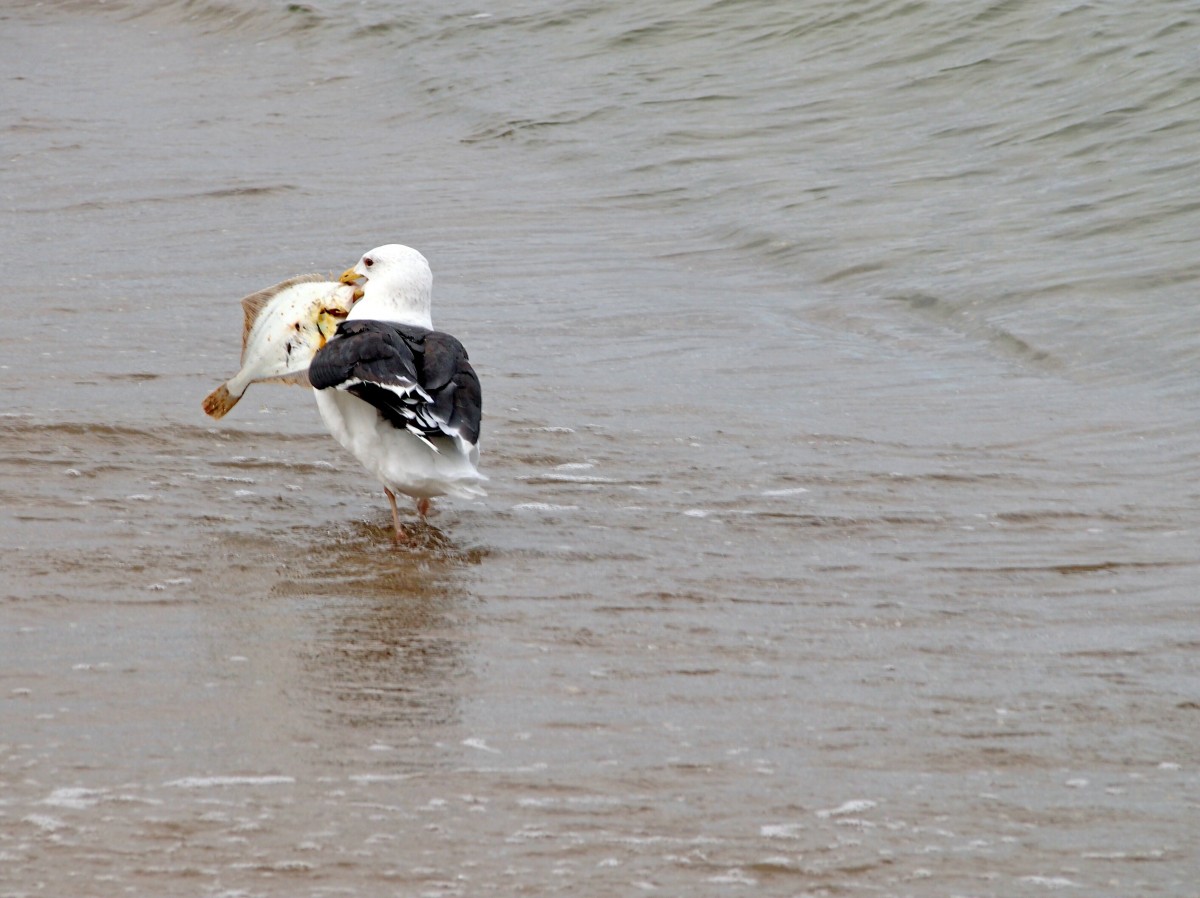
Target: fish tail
{"type": "Point", "coordinates": [217, 403]}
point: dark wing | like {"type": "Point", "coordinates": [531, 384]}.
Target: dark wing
{"type": "Point", "coordinates": [419, 380]}
{"type": "Point", "coordinates": [447, 376]}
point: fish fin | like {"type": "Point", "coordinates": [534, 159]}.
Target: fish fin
{"type": "Point", "coordinates": [221, 400]}
{"type": "Point", "coordinates": [295, 379]}
{"type": "Point", "coordinates": [253, 304]}
{"type": "Point", "coordinates": [217, 403]}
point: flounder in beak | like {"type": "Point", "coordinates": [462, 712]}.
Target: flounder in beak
{"type": "Point", "coordinates": [283, 328]}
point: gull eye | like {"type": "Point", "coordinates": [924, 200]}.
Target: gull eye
{"type": "Point", "coordinates": [368, 262]}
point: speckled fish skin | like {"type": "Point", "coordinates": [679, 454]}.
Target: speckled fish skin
{"type": "Point", "coordinates": [284, 326]}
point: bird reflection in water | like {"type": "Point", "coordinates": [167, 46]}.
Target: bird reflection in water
{"type": "Point", "coordinates": [390, 628]}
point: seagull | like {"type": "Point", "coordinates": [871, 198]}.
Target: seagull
{"type": "Point", "coordinates": [399, 395]}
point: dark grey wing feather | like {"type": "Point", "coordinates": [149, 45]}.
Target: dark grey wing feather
{"type": "Point", "coordinates": [451, 382]}
{"type": "Point", "coordinates": [419, 380]}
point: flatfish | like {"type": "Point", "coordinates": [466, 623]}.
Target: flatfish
{"type": "Point", "coordinates": [283, 328]}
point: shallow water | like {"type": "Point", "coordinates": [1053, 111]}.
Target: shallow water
{"type": "Point", "coordinates": [839, 415]}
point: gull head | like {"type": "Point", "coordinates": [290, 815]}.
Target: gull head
{"type": "Point", "coordinates": [396, 285]}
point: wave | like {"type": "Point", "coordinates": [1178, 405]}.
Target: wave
{"type": "Point", "coordinates": [25, 439]}
{"type": "Point", "coordinates": [224, 17]}
{"type": "Point", "coordinates": [1027, 165]}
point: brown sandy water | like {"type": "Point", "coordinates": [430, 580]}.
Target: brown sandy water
{"type": "Point", "coordinates": [837, 542]}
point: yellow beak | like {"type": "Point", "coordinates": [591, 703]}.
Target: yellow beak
{"type": "Point", "coordinates": [350, 276]}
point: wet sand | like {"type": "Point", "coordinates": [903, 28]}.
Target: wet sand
{"type": "Point", "coordinates": [609, 674]}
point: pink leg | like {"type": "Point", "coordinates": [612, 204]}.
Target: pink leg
{"type": "Point", "coordinates": [423, 508]}
{"type": "Point", "coordinates": [400, 536]}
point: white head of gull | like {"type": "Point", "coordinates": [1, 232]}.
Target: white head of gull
{"type": "Point", "coordinates": [398, 288]}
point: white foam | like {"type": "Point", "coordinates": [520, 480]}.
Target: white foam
{"type": "Point", "coordinates": [291, 866]}
{"type": "Point", "coordinates": [218, 478]}
{"type": "Point", "coordinates": [574, 478]}
{"type": "Point", "coordinates": [855, 821]}
{"type": "Point", "coordinates": [543, 506]}
{"type": "Point", "coordinates": [73, 797]}
{"type": "Point", "coordinates": [736, 876]}
{"type": "Point", "coordinates": [45, 822]}
{"type": "Point", "coordinates": [208, 782]}
{"type": "Point", "coordinates": [1051, 882]}
{"type": "Point", "coordinates": [481, 745]}
{"type": "Point", "coordinates": [791, 491]}
{"type": "Point", "coordinates": [364, 779]}
{"type": "Point", "coordinates": [782, 830]}
{"type": "Point", "coordinates": [849, 807]}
